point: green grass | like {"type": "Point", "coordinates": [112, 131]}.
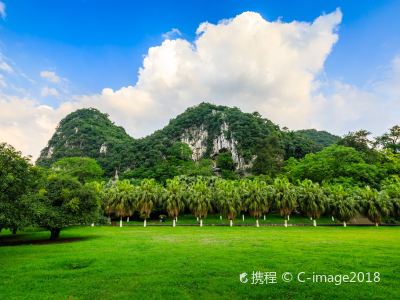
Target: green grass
{"type": "Point", "coordinates": [199, 263]}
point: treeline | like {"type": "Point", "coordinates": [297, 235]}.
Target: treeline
{"type": "Point", "coordinates": [229, 198]}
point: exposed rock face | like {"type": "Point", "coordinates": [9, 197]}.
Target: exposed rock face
{"type": "Point", "coordinates": [103, 148]}
{"type": "Point", "coordinates": [50, 152]}
{"type": "Point", "coordinates": [196, 139]}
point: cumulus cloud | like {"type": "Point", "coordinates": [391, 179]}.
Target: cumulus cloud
{"type": "Point", "coordinates": [50, 76]}
{"type": "Point", "coordinates": [173, 33]}
{"type": "Point", "coordinates": [48, 91]}
{"type": "Point", "coordinates": [249, 62]}
{"type": "Point", "coordinates": [2, 10]}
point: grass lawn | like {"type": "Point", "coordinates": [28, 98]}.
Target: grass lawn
{"type": "Point", "coordinates": [199, 263]}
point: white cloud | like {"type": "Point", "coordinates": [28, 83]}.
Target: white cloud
{"type": "Point", "coordinates": [246, 61]}
{"type": "Point", "coordinates": [2, 10]}
{"type": "Point", "coordinates": [173, 33]}
{"type": "Point", "coordinates": [50, 76]}
{"type": "Point", "coordinates": [4, 66]}
{"type": "Point", "coordinates": [48, 91]}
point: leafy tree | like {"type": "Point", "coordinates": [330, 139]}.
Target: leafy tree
{"type": "Point", "coordinates": [285, 197]}
{"type": "Point", "coordinates": [342, 204]}
{"type": "Point", "coordinates": [228, 198]}
{"type": "Point", "coordinates": [312, 199]}
{"type": "Point", "coordinates": [64, 201]}
{"type": "Point", "coordinates": [390, 140]}
{"type": "Point", "coordinates": [121, 199]}
{"type": "Point", "coordinates": [17, 179]}
{"type": "Point", "coordinates": [84, 168]}
{"type": "Point", "coordinates": [175, 198]}
{"type": "Point", "coordinates": [199, 198]}
{"type": "Point", "coordinates": [374, 204]}
{"type": "Point", "coordinates": [257, 197]}
{"type": "Point", "coordinates": [149, 192]}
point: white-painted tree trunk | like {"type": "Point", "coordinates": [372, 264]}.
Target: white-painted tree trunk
{"type": "Point", "coordinates": [127, 219]}
{"type": "Point", "coordinates": [109, 220]}
{"type": "Point", "coordinates": [92, 225]}
{"type": "Point", "coordinates": [243, 218]}
{"type": "Point", "coordinates": [288, 217]}
{"type": "Point", "coordinates": [230, 223]}
{"type": "Point", "coordinates": [333, 218]}
{"type": "Point", "coordinates": [315, 223]}
{"type": "Point", "coordinates": [344, 224]}
{"type": "Point", "coordinates": [120, 222]}
{"type": "Point", "coordinates": [376, 224]}
{"type": "Point", "coordinates": [285, 223]}
{"type": "Point", "coordinates": [257, 223]}
{"type": "Point", "coordinates": [145, 223]}
{"type": "Point", "coordinates": [220, 217]}
{"type": "Point", "coordinates": [265, 217]}
{"type": "Point", "coordinates": [310, 218]}
{"type": "Point", "coordinates": [197, 219]}
{"type": "Point", "coordinates": [176, 219]}
{"type": "Point", "coordinates": [201, 222]}
{"type": "Point", "coordinates": [173, 223]}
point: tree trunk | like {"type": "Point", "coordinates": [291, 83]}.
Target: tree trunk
{"type": "Point", "coordinates": [173, 223]}
{"type": "Point", "coordinates": [55, 233]}
{"type": "Point", "coordinates": [257, 223]}
{"type": "Point", "coordinates": [109, 220]}
{"type": "Point", "coordinates": [333, 218]}
{"type": "Point", "coordinates": [201, 222]}
{"type": "Point", "coordinates": [197, 219]}
{"type": "Point", "coordinates": [265, 217]}
{"type": "Point", "coordinates": [243, 218]}
{"type": "Point", "coordinates": [230, 223]}
{"type": "Point", "coordinates": [315, 223]}
{"type": "Point", "coordinates": [285, 222]}
{"type": "Point", "coordinates": [14, 231]}
{"type": "Point", "coordinates": [92, 225]}
{"type": "Point", "coordinates": [220, 217]}
{"type": "Point", "coordinates": [344, 224]}
{"type": "Point", "coordinates": [127, 219]}
{"type": "Point", "coordinates": [376, 224]}
{"type": "Point", "coordinates": [145, 223]}
{"type": "Point", "coordinates": [288, 217]}
{"type": "Point", "coordinates": [176, 219]}
{"type": "Point", "coordinates": [120, 222]}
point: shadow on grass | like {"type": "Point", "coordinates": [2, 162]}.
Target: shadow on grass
{"type": "Point", "coordinates": [23, 239]}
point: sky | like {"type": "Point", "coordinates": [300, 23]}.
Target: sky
{"type": "Point", "coordinates": [329, 65]}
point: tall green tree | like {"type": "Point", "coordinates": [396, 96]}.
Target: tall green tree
{"type": "Point", "coordinates": [312, 199]}
{"type": "Point", "coordinates": [122, 197]}
{"type": "Point", "coordinates": [374, 205]}
{"type": "Point", "coordinates": [17, 179]}
{"type": "Point", "coordinates": [175, 198]}
{"type": "Point", "coordinates": [149, 193]}
{"type": "Point", "coordinates": [285, 197]}
{"type": "Point", "coordinates": [199, 198]}
{"type": "Point", "coordinates": [342, 204]}
{"type": "Point", "coordinates": [228, 198]}
{"type": "Point", "coordinates": [64, 201]}
{"type": "Point", "coordinates": [257, 198]}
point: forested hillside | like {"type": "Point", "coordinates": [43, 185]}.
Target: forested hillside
{"type": "Point", "coordinates": [204, 140]}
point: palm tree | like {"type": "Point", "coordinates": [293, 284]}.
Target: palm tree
{"type": "Point", "coordinates": [121, 199]}
{"type": "Point", "coordinates": [312, 200]}
{"type": "Point", "coordinates": [374, 205]}
{"type": "Point", "coordinates": [175, 196]}
{"type": "Point", "coordinates": [199, 199]}
{"type": "Point", "coordinates": [257, 198]}
{"type": "Point", "coordinates": [342, 204]}
{"type": "Point", "coordinates": [285, 197]}
{"type": "Point", "coordinates": [148, 193]}
{"type": "Point", "coordinates": [228, 198]}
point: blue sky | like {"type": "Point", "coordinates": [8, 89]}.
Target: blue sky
{"type": "Point", "coordinates": [330, 65]}
{"type": "Point", "coordinates": [98, 43]}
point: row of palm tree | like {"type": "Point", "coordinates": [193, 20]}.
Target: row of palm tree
{"type": "Point", "coordinates": [233, 197]}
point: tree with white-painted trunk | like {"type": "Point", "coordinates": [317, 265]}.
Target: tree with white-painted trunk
{"type": "Point", "coordinates": [312, 200]}
{"type": "Point", "coordinates": [122, 199]}
{"type": "Point", "coordinates": [257, 198]}
{"type": "Point", "coordinates": [373, 204]}
{"type": "Point", "coordinates": [175, 198]}
{"type": "Point", "coordinates": [285, 197]}
{"type": "Point", "coordinates": [228, 198]}
{"type": "Point", "coordinates": [148, 192]}
{"type": "Point", "coordinates": [341, 203]}
{"type": "Point", "coordinates": [199, 198]}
